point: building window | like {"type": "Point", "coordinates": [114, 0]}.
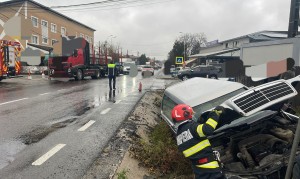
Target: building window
{"type": "Point", "coordinates": [53, 28]}
{"type": "Point", "coordinates": [35, 39]}
{"type": "Point", "coordinates": [45, 40]}
{"type": "Point", "coordinates": [35, 21]}
{"type": "Point", "coordinates": [53, 41]}
{"type": "Point", "coordinates": [226, 45]}
{"type": "Point", "coordinates": [44, 23]}
{"type": "Point", "coordinates": [44, 31]}
{"type": "Point", "coordinates": [81, 35]}
{"type": "Point", "coordinates": [63, 31]}
{"type": "Point", "coordinates": [91, 40]}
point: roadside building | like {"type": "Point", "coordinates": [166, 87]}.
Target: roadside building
{"type": "Point", "coordinates": [30, 22]}
{"type": "Point", "coordinates": [216, 52]}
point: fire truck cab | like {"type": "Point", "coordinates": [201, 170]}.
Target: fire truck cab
{"type": "Point", "coordinates": [10, 53]}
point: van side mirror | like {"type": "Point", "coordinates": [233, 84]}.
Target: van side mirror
{"type": "Point", "coordinates": [75, 53]}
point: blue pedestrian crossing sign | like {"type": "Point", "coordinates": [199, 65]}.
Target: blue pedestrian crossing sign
{"type": "Point", "coordinates": [179, 60]}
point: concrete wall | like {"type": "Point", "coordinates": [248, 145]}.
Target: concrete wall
{"type": "Point", "coordinates": [263, 52]}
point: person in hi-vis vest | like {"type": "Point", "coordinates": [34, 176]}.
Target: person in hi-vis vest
{"type": "Point", "coordinates": [112, 71]}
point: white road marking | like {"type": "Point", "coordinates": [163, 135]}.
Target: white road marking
{"type": "Point", "coordinates": [49, 154]}
{"type": "Point", "coordinates": [106, 111]}
{"type": "Point", "coordinates": [87, 125]}
{"type": "Point", "coordinates": [43, 94]}
{"type": "Point", "coordinates": [13, 101]}
{"type": "Point", "coordinates": [117, 102]}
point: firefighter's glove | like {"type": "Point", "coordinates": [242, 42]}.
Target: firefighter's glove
{"type": "Point", "coordinates": [219, 110]}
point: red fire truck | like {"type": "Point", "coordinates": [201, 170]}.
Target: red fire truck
{"type": "Point", "coordinates": [10, 64]}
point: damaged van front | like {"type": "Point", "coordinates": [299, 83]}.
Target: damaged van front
{"type": "Point", "coordinates": [255, 136]}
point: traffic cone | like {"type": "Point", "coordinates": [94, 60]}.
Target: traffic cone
{"type": "Point", "coordinates": [43, 74]}
{"type": "Point", "coordinates": [140, 86]}
{"type": "Point", "coordinates": [29, 76]}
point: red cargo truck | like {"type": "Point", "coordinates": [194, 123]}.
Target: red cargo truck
{"type": "Point", "coordinates": [77, 64]}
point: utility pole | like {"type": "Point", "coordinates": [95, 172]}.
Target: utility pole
{"type": "Point", "coordinates": [294, 19]}
{"type": "Point", "coordinates": [106, 55]}
{"type": "Point", "coordinates": [121, 56]}
{"type": "Point", "coordinates": [99, 52]}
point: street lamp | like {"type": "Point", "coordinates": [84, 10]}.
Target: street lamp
{"type": "Point", "coordinates": [183, 46]}
{"type": "Point", "coordinates": [111, 37]}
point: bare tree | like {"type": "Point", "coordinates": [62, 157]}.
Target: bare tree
{"type": "Point", "coordinates": [192, 42]}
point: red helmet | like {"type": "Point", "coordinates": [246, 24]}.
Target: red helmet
{"type": "Point", "coordinates": [182, 112]}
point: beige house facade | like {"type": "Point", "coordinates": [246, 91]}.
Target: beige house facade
{"type": "Point", "coordinates": [27, 21]}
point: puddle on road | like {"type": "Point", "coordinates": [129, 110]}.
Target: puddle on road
{"type": "Point", "coordinates": [40, 133]}
{"type": "Point", "coordinates": [8, 150]}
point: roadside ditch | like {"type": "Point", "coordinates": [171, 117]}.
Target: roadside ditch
{"type": "Point", "coordinates": [124, 156]}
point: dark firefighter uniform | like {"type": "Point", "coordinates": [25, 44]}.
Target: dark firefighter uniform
{"type": "Point", "coordinates": [193, 143]}
{"type": "Point", "coordinates": [112, 75]}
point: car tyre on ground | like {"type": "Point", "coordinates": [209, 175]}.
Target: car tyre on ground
{"type": "Point", "coordinates": [213, 77]}
{"type": "Point", "coordinates": [185, 77]}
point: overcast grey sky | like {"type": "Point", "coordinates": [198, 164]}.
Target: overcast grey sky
{"type": "Point", "coordinates": [152, 29]}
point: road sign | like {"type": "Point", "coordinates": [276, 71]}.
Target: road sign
{"type": "Point", "coordinates": [179, 60]}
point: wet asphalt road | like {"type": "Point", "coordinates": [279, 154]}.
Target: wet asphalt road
{"type": "Point", "coordinates": [52, 129]}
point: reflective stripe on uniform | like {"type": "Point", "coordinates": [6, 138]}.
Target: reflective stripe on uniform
{"type": "Point", "coordinates": [217, 112]}
{"type": "Point", "coordinates": [111, 69]}
{"type": "Point", "coordinates": [213, 164]}
{"type": "Point", "coordinates": [196, 148]}
{"type": "Point", "coordinates": [200, 130]}
{"type": "Point", "coordinates": [212, 123]}
{"type": "Point", "coordinates": [111, 65]}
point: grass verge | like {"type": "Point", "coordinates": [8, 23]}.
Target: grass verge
{"type": "Point", "coordinates": [160, 154]}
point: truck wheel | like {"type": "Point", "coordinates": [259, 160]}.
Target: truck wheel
{"type": "Point", "coordinates": [97, 75]}
{"type": "Point", "coordinates": [79, 75]}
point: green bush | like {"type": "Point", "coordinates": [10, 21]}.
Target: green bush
{"type": "Point", "coordinates": [160, 154]}
{"type": "Point", "coordinates": [122, 174]}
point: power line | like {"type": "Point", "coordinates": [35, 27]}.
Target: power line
{"type": "Point", "coordinates": [106, 7]}
{"type": "Point", "coordinates": [87, 4]}
{"type": "Point", "coordinates": [118, 5]}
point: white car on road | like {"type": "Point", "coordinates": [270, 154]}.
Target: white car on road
{"type": "Point", "coordinates": [147, 70]}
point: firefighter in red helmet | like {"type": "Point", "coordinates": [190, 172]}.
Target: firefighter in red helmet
{"type": "Point", "coordinates": [192, 140]}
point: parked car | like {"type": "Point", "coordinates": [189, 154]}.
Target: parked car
{"type": "Point", "coordinates": [255, 134]}
{"type": "Point", "coordinates": [140, 67]}
{"type": "Point", "coordinates": [119, 67]}
{"type": "Point", "coordinates": [206, 71]}
{"type": "Point", "coordinates": [126, 67]}
{"type": "Point", "coordinates": [147, 69]}
{"type": "Point", "coordinates": [179, 70]}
